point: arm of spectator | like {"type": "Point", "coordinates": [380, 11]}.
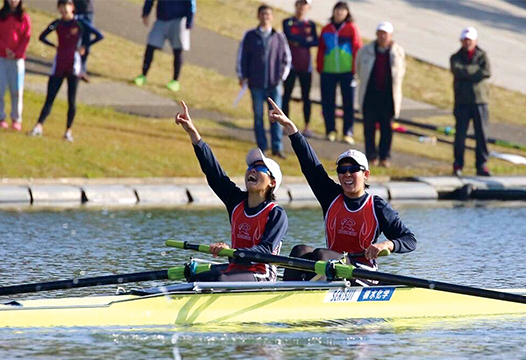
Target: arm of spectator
{"type": "Point", "coordinates": [91, 30]}
{"type": "Point", "coordinates": [43, 37]}
{"type": "Point", "coordinates": [25, 35]}
{"type": "Point", "coordinates": [242, 62]}
{"type": "Point", "coordinates": [314, 41]}
{"type": "Point", "coordinates": [393, 228]}
{"type": "Point", "coordinates": [190, 14]}
{"type": "Point", "coordinates": [147, 8]}
{"type": "Point", "coordinates": [471, 72]}
{"type": "Point", "coordinates": [275, 230]}
{"type": "Point", "coordinates": [287, 57]}
{"type": "Point", "coordinates": [321, 54]}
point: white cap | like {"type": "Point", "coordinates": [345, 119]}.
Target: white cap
{"type": "Point", "coordinates": [257, 155]}
{"type": "Point", "coordinates": [385, 26]}
{"type": "Point", "coordinates": [469, 33]}
{"type": "Point", "coordinates": [356, 155]}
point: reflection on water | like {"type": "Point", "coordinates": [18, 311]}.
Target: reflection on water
{"type": "Point", "coordinates": [467, 245]}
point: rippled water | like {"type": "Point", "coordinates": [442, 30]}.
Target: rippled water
{"type": "Point", "coordinates": [478, 245]}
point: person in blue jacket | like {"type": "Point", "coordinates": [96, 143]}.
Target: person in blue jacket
{"type": "Point", "coordinates": [174, 21]}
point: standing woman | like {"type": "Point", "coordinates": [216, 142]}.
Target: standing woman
{"type": "Point", "coordinates": [339, 44]}
{"type": "Point", "coordinates": [354, 218]}
{"type": "Point", "coordinates": [257, 223]}
{"type": "Point", "coordinates": [15, 31]}
{"type": "Point", "coordinates": [73, 36]}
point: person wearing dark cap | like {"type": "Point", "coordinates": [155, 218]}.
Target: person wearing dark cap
{"type": "Point", "coordinates": [471, 69]}
{"type": "Point", "coordinates": [257, 223]}
{"type": "Point", "coordinates": [354, 218]}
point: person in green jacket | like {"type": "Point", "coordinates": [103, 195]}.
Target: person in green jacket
{"type": "Point", "coordinates": [471, 69]}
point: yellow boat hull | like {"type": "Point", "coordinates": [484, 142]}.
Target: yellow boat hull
{"type": "Point", "coordinates": [256, 306]}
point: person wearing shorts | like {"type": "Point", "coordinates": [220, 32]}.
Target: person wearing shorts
{"type": "Point", "coordinates": [174, 21]}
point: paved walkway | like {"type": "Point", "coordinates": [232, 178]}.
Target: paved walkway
{"type": "Point", "coordinates": [430, 29]}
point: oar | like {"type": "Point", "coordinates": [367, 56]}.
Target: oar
{"type": "Point", "coordinates": [349, 271]}
{"type": "Point", "coordinates": [175, 273]}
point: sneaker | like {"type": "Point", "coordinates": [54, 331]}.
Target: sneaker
{"type": "Point", "coordinates": [374, 162]}
{"type": "Point", "coordinates": [307, 133]}
{"type": "Point", "coordinates": [4, 124]}
{"type": "Point", "coordinates": [483, 171]}
{"type": "Point", "coordinates": [348, 139]}
{"type": "Point", "coordinates": [36, 132]}
{"type": "Point", "coordinates": [16, 126]}
{"type": "Point", "coordinates": [331, 136]}
{"type": "Point", "coordinates": [68, 137]}
{"type": "Point", "coordinates": [173, 85]}
{"type": "Point", "coordinates": [279, 153]}
{"type": "Point", "coordinates": [385, 163]}
{"type": "Point", "coordinates": [457, 171]}
{"type": "Point", "coordinates": [140, 80]}
{"type": "Point", "coordinates": [85, 78]}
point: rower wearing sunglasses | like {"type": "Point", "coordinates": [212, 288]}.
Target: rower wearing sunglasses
{"type": "Point", "coordinates": [354, 219]}
{"type": "Point", "coordinates": [257, 223]}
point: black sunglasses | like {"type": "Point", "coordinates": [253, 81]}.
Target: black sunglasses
{"type": "Point", "coordinates": [342, 169]}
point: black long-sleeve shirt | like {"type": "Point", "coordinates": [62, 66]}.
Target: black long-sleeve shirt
{"type": "Point", "coordinates": [326, 190]}
{"type": "Point", "coordinates": [231, 195]}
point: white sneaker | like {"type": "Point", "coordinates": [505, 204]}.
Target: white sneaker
{"type": "Point", "coordinates": [36, 132]}
{"type": "Point", "coordinates": [68, 137]}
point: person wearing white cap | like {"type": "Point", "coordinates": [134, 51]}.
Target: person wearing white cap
{"type": "Point", "coordinates": [354, 219]}
{"type": "Point", "coordinates": [471, 70]}
{"type": "Point", "coordinates": [257, 222]}
{"type": "Point", "coordinates": [380, 68]}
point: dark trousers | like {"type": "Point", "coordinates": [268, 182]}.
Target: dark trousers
{"type": "Point", "coordinates": [463, 114]}
{"type": "Point", "coordinates": [378, 108]}
{"type": "Point", "coordinates": [53, 87]}
{"type": "Point", "coordinates": [328, 100]}
{"type": "Point", "coordinates": [148, 58]}
{"type": "Point", "coordinates": [308, 252]}
{"type": "Point", "coordinates": [305, 84]}
{"type": "Point", "coordinates": [87, 17]}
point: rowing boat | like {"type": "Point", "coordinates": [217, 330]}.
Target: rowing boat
{"type": "Point", "coordinates": [280, 302]}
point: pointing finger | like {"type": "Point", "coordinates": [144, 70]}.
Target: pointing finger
{"type": "Point", "coordinates": [185, 108]}
{"type": "Point", "coordinates": [274, 106]}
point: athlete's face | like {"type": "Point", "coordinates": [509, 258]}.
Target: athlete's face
{"type": "Point", "coordinates": [257, 178]}
{"type": "Point", "coordinates": [66, 11]}
{"type": "Point", "coordinates": [353, 183]}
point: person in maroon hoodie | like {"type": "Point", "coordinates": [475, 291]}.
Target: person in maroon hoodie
{"type": "Point", "coordinates": [15, 31]}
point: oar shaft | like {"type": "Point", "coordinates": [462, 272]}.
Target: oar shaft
{"type": "Point", "coordinates": [175, 273]}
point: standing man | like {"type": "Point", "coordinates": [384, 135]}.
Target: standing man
{"type": "Point", "coordinates": [174, 21]}
{"type": "Point", "coordinates": [301, 34]}
{"type": "Point", "coordinates": [470, 67]}
{"type": "Point", "coordinates": [263, 63]}
{"type": "Point", "coordinates": [380, 66]}
{"type": "Point", "coordinates": [84, 11]}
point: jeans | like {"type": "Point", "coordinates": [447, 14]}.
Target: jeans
{"type": "Point", "coordinates": [328, 84]}
{"type": "Point", "coordinates": [259, 98]}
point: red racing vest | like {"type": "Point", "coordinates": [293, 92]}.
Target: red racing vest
{"type": "Point", "coordinates": [351, 231]}
{"type": "Point", "coordinates": [246, 232]}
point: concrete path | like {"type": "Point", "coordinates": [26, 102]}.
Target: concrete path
{"type": "Point", "coordinates": [430, 29]}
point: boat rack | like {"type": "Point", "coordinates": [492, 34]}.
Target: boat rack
{"type": "Point", "coordinates": [221, 287]}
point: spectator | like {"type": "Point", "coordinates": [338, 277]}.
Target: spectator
{"type": "Point", "coordinates": [15, 30]}
{"type": "Point", "coordinates": [301, 34]}
{"type": "Point", "coordinates": [471, 69]}
{"type": "Point", "coordinates": [339, 43]}
{"type": "Point", "coordinates": [73, 35]}
{"type": "Point", "coordinates": [380, 67]}
{"type": "Point", "coordinates": [174, 21]}
{"type": "Point", "coordinates": [263, 63]}
{"type": "Point", "coordinates": [84, 11]}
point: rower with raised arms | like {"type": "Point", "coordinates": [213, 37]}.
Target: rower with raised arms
{"type": "Point", "coordinates": [354, 219]}
{"type": "Point", "coordinates": [257, 222]}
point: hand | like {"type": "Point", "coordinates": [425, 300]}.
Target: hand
{"type": "Point", "coordinates": [374, 249]}
{"type": "Point", "coordinates": [188, 125]}
{"type": "Point", "coordinates": [242, 82]}
{"type": "Point", "coordinates": [146, 20]}
{"type": "Point", "coordinates": [276, 114]}
{"type": "Point", "coordinates": [10, 54]}
{"type": "Point", "coordinates": [215, 248]}
{"type": "Point", "coordinates": [82, 50]}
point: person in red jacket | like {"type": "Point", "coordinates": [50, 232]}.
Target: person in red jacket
{"type": "Point", "coordinates": [15, 31]}
{"type": "Point", "coordinates": [340, 41]}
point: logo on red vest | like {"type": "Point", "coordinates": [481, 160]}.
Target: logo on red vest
{"type": "Point", "coordinates": [346, 227]}
{"type": "Point", "coordinates": [243, 231]}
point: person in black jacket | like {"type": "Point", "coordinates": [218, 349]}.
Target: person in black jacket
{"type": "Point", "coordinates": [354, 219]}
{"type": "Point", "coordinates": [257, 223]}
{"type": "Point", "coordinates": [263, 63]}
